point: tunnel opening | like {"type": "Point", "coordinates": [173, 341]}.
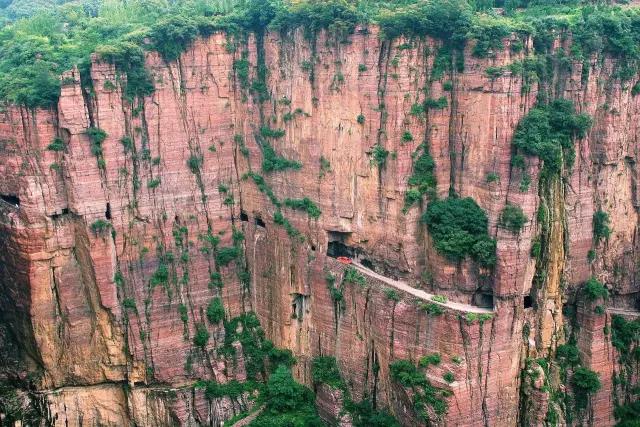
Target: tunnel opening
{"type": "Point", "coordinates": [527, 301]}
{"type": "Point", "coordinates": [260, 222]}
{"type": "Point", "coordinates": [11, 199]}
{"type": "Point", "coordinates": [339, 249]}
{"type": "Point", "coordinates": [244, 217]}
{"type": "Point", "coordinates": [107, 212]}
{"type": "Point", "coordinates": [483, 298]}
{"type": "Point", "coordinates": [337, 246]}
{"type": "Point", "coordinates": [367, 263]}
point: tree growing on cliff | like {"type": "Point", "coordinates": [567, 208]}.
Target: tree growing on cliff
{"type": "Point", "coordinates": [287, 403]}
{"type": "Point", "coordinates": [601, 229]}
{"type": "Point", "coordinates": [459, 229]}
{"type": "Point", "coordinates": [512, 218]}
{"type": "Point", "coordinates": [548, 131]}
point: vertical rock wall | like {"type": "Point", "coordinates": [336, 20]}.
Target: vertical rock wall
{"type": "Point", "coordinates": [97, 324]}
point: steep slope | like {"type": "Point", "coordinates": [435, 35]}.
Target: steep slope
{"type": "Point", "coordinates": [121, 240]}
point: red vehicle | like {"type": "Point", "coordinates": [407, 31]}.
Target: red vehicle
{"type": "Point", "coordinates": [344, 260]}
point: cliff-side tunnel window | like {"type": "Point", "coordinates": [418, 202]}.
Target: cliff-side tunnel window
{"type": "Point", "coordinates": [107, 212]}
{"type": "Point", "coordinates": [297, 306]}
{"type": "Point", "coordinates": [260, 222]}
{"type": "Point", "coordinates": [243, 216]}
{"type": "Point", "coordinates": [10, 199]}
{"type": "Point", "coordinates": [527, 301]}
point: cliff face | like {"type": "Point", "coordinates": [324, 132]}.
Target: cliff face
{"type": "Point", "coordinates": [108, 264]}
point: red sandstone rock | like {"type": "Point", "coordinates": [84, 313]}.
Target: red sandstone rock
{"type": "Point", "coordinates": [69, 312]}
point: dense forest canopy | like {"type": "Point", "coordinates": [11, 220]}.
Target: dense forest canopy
{"type": "Point", "coordinates": [41, 39]}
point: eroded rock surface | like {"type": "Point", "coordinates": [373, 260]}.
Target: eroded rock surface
{"type": "Point", "coordinates": [97, 311]}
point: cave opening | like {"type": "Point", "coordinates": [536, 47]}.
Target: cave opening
{"type": "Point", "coordinates": [243, 216]}
{"type": "Point", "coordinates": [107, 213]}
{"type": "Point", "coordinates": [260, 222]}
{"type": "Point", "coordinates": [11, 199]}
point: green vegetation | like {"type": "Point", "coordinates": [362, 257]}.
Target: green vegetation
{"type": "Point", "coordinates": [100, 226]}
{"type": "Point", "coordinates": [449, 377]}
{"type": "Point", "coordinates": [536, 247]}
{"type": "Point", "coordinates": [512, 218]}
{"type": "Point", "coordinates": [423, 180]}
{"type": "Point", "coordinates": [417, 109]}
{"type": "Point", "coordinates": [364, 415]}
{"type": "Point", "coordinates": [45, 41]}
{"type": "Point", "coordinates": [153, 183]}
{"type": "Point", "coordinates": [431, 308]}
{"type": "Point", "coordinates": [426, 397]}
{"type": "Point", "coordinates": [267, 132]}
{"type": "Point", "coordinates": [232, 389]}
{"type": "Point", "coordinates": [272, 162]}
{"type": "Point", "coordinates": [568, 355]}
{"type": "Point", "coordinates": [215, 310]}
{"type": "Point", "coordinates": [305, 204]}
{"type": "Point", "coordinates": [129, 304]}
{"type": "Point", "coordinates": [324, 370]}
{"type": "Point", "coordinates": [436, 104]}
{"type": "Point", "coordinates": [594, 290]}
{"type": "Point", "coordinates": [287, 403]}
{"type": "Point", "coordinates": [160, 275]}
{"type": "Point", "coordinates": [459, 229]}
{"type": "Point", "coordinates": [184, 315]}
{"type": "Point", "coordinates": [439, 298]}
{"type": "Point", "coordinates": [201, 338]}
{"type": "Point", "coordinates": [547, 132]}
{"type": "Point", "coordinates": [353, 276]}
{"type": "Point", "coordinates": [279, 219]}
{"type": "Point", "coordinates": [57, 145]}
{"type": "Point", "coordinates": [585, 382]}
{"type": "Point", "coordinates": [492, 177]}
{"type": "Point", "coordinates": [601, 228]}
{"type": "Point", "coordinates": [96, 138]}
{"type": "Point", "coordinates": [430, 359]}
{"type": "Point", "coordinates": [379, 155]}
{"type": "Point", "coordinates": [391, 294]}
{"type": "Point", "coordinates": [325, 166]}
{"type": "Point", "coordinates": [227, 254]}
{"type": "Point", "coordinates": [194, 162]}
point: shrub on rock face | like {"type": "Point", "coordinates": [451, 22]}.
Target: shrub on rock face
{"type": "Point", "coordinates": [601, 228]}
{"type": "Point", "coordinates": [585, 383]}
{"type": "Point", "coordinates": [594, 290]}
{"type": "Point", "coordinates": [201, 337]}
{"type": "Point", "coordinates": [287, 403]}
{"type": "Point", "coordinates": [324, 370]}
{"type": "Point", "coordinates": [512, 218]}
{"type": "Point", "coordinates": [547, 132]}
{"type": "Point", "coordinates": [459, 229]}
{"type": "Point", "coordinates": [215, 310]}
